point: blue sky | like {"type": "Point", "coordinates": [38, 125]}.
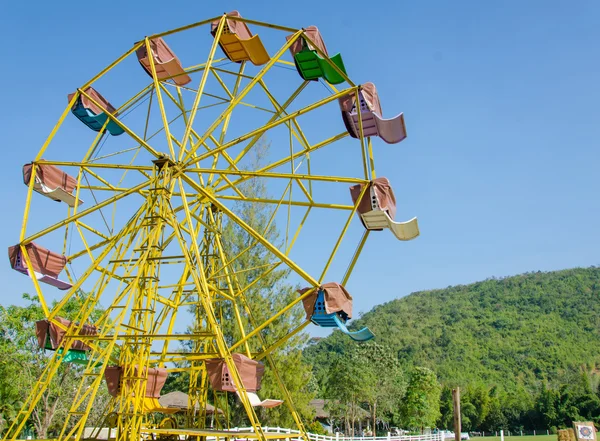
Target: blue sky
{"type": "Point", "coordinates": [500, 100]}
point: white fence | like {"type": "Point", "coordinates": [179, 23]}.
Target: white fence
{"type": "Point", "coordinates": [105, 434]}
{"type": "Point", "coordinates": [340, 437]}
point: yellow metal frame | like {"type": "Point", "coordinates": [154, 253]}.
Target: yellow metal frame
{"type": "Point", "coordinates": [169, 255]}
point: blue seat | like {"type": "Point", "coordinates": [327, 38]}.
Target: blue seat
{"type": "Point", "coordinates": [336, 320]}
{"type": "Point", "coordinates": [93, 121]}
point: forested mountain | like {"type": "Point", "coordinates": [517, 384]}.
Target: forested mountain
{"type": "Point", "coordinates": [514, 333]}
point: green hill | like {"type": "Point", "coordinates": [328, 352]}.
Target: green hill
{"type": "Point", "coordinates": [511, 332]}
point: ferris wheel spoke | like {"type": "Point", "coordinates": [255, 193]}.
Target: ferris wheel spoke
{"type": "Point", "coordinates": [79, 223]}
{"type": "Point", "coordinates": [355, 256]}
{"type": "Point", "coordinates": [258, 328]}
{"type": "Point", "coordinates": [247, 228]}
{"type": "Point", "coordinates": [110, 241]}
{"type": "Point", "coordinates": [297, 133]}
{"type": "Point", "coordinates": [135, 100]}
{"type": "Point", "coordinates": [277, 114]}
{"type": "Point", "coordinates": [77, 285]}
{"type": "Point", "coordinates": [286, 160]}
{"type": "Point", "coordinates": [83, 213]}
{"type": "Point", "coordinates": [222, 83]}
{"type": "Point", "coordinates": [121, 125]}
{"type": "Point", "coordinates": [248, 174]}
{"type": "Point", "coordinates": [243, 93]}
{"type": "Point", "coordinates": [236, 86]}
{"type": "Point", "coordinates": [293, 203]}
{"type": "Point", "coordinates": [180, 105]}
{"type": "Point", "coordinates": [113, 64]}
{"type": "Point", "coordinates": [92, 165]}
{"type": "Point", "coordinates": [297, 234]}
{"type": "Point", "coordinates": [205, 74]}
{"type": "Point", "coordinates": [342, 234]}
{"type": "Point", "coordinates": [269, 350]}
{"type": "Point", "coordinates": [157, 88]}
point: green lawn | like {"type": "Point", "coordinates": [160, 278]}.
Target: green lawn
{"type": "Point", "coordinates": [516, 438]}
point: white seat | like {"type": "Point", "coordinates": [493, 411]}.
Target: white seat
{"type": "Point", "coordinates": [55, 194]}
{"type": "Point", "coordinates": [256, 402]}
{"type": "Point", "coordinates": [378, 219]}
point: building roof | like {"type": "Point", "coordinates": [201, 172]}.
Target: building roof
{"type": "Point", "coordinates": [179, 400]}
{"type": "Point", "coordinates": [320, 411]}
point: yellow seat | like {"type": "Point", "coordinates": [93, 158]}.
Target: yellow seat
{"type": "Point", "coordinates": [251, 49]}
{"type": "Point", "coordinates": [152, 405]}
{"type": "Point", "coordinates": [256, 51]}
{"type": "Point", "coordinates": [233, 47]}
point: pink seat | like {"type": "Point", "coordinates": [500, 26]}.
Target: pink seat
{"type": "Point", "coordinates": [392, 130]}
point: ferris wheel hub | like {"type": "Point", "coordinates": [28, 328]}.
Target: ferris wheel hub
{"type": "Point", "coordinates": [206, 199]}
{"type": "Point", "coordinates": [163, 161]}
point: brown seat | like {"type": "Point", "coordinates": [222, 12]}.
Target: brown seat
{"type": "Point", "coordinates": [46, 265]}
{"type": "Point", "coordinates": [156, 378]}
{"type": "Point", "coordinates": [166, 64]}
{"type": "Point", "coordinates": [251, 372]}
{"type": "Point", "coordinates": [52, 182]}
{"type": "Point", "coordinates": [50, 335]}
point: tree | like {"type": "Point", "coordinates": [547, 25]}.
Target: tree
{"type": "Point", "coordinates": [475, 406]}
{"type": "Point", "coordinates": [10, 394]}
{"type": "Point", "coordinates": [495, 419]}
{"type": "Point", "coordinates": [420, 407]}
{"type": "Point", "coordinates": [446, 409]}
{"type": "Point", "coordinates": [547, 406]}
{"type": "Point", "coordinates": [23, 362]}
{"type": "Point", "coordinates": [381, 377]}
{"type": "Point", "coordinates": [345, 391]}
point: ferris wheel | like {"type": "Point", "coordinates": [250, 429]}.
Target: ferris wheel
{"type": "Point", "coordinates": [138, 227]}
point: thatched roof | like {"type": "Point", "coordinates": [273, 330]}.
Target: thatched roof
{"type": "Point", "coordinates": [319, 406]}
{"type": "Point", "coordinates": [321, 412]}
{"type": "Point", "coordinates": [179, 400]}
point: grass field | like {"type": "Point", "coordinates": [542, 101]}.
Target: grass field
{"type": "Point", "coordinates": [516, 438]}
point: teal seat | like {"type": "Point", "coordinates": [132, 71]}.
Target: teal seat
{"type": "Point", "coordinates": [311, 66]}
{"type": "Point", "coordinates": [336, 320]}
{"type": "Point", "coordinates": [93, 121]}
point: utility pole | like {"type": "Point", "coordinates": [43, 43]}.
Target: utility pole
{"type": "Point", "coordinates": [456, 406]}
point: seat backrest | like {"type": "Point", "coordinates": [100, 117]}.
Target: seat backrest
{"type": "Point", "coordinates": [19, 264]}
{"type": "Point", "coordinates": [226, 381]}
{"type": "Point", "coordinates": [363, 104]}
{"type": "Point", "coordinates": [374, 200]}
{"type": "Point", "coordinates": [321, 310]}
{"type": "Point", "coordinates": [320, 304]}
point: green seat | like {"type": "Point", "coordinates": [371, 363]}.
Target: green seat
{"type": "Point", "coordinates": [311, 66]}
{"type": "Point", "coordinates": [72, 356]}
{"type": "Point", "coordinates": [77, 357]}
{"type": "Point", "coordinates": [329, 73]}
